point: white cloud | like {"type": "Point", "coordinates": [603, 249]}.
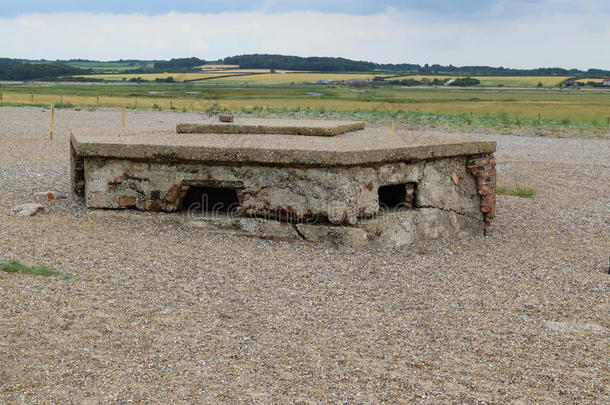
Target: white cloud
{"type": "Point", "coordinates": [391, 36]}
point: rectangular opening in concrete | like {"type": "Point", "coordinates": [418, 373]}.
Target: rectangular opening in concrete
{"type": "Point", "coordinates": [395, 196]}
{"type": "Point", "coordinates": [211, 199]}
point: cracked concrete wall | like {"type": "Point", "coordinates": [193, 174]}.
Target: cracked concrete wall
{"type": "Point", "coordinates": [343, 195]}
{"type": "Point", "coordinates": [446, 185]}
{"type": "Point", "coordinates": [392, 230]}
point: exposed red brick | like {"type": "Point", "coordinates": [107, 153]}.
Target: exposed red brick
{"type": "Point", "coordinates": [173, 194]}
{"type": "Point", "coordinates": [127, 201]}
{"type": "Point", "coordinates": [483, 168]}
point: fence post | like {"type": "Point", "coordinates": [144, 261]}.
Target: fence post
{"type": "Point", "coordinates": [32, 98]}
{"type": "Point", "coordinates": [123, 117]}
{"type": "Point", "coordinates": [52, 123]}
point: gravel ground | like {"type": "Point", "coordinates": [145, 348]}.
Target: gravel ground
{"type": "Point", "coordinates": [158, 312]}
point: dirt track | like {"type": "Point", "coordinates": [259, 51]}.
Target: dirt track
{"type": "Point", "coordinates": [157, 312]}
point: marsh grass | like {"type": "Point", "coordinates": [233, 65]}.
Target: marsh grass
{"type": "Point", "coordinates": [14, 266]}
{"type": "Point", "coordinates": [459, 122]}
{"type": "Point", "coordinates": [528, 112]}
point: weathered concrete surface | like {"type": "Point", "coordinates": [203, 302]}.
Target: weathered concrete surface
{"type": "Point", "coordinates": [408, 226]}
{"type": "Point", "coordinates": [340, 195]}
{"type": "Point", "coordinates": [390, 230]}
{"type": "Point", "coordinates": [365, 147]}
{"type": "Point", "coordinates": [271, 126]}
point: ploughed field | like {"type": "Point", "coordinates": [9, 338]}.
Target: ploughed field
{"type": "Point", "coordinates": [157, 311]}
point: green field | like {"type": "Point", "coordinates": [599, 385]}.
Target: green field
{"type": "Point", "coordinates": [500, 107]}
{"type": "Point", "coordinates": [108, 66]}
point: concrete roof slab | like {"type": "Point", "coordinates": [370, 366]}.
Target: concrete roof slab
{"type": "Point", "coordinates": [271, 126]}
{"type": "Point", "coordinates": [368, 146]}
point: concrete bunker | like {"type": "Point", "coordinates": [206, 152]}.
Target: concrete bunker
{"type": "Point", "coordinates": [319, 180]}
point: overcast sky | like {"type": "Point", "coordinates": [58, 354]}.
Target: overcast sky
{"type": "Point", "coordinates": [510, 33]}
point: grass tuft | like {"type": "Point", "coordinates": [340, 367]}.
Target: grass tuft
{"type": "Point", "coordinates": [523, 192]}
{"type": "Point", "coordinates": [16, 267]}
{"type": "Point", "coordinates": [64, 105]}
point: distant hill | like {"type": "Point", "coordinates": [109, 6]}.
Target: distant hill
{"type": "Point", "coordinates": [179, 63]}
{"type": "Point", "coordinates": [17, 69]}
{"type": "Point", "coordinates": [282, 62]}
{"type": "Point", "coordinates": [328, 64]}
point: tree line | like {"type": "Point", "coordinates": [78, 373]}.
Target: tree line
{"type": "Point", "coordinates": [282, 62]}
{"type": "Point", "coordinates": [17, 69]}
{"type": "Point", "coordinates": [179, 63]}
{"type": "Point", "coordinates": [330, 64]}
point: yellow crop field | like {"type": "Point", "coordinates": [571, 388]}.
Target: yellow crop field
{"type": "Point", "coordinates": [286, 78]}
{"type": "Point", "coordinates": [590, 79]}
{"type": "Point", "coordinates": [513, 81]}
{"type": "Point", "coordinates": [419, 77]}
{"type": "Point", "coordinates": [179, 77]}
{"type": "Point", "coordinates": [238, 71]}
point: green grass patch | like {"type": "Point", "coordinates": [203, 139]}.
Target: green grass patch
{"type": "Point", "coordinates": [16, 267]}
{"type": "Point", "coordinates": [523, 192]}
{"type": "Point", "coordinates": [64, 105]}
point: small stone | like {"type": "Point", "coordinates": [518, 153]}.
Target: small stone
{"type": "Point", "coordinates": [26, 210]}
{"type": "Point", "coordinates": [456, 178]}
{"type": "Point", "coordinates": [49, 195]}
{"type": "Point", "coordinates": [226, 118]}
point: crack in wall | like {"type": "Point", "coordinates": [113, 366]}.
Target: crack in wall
{"type": "Point", "coordinates": [296, 229]}
{"type": "Point", "coordinates": [449, 210]}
